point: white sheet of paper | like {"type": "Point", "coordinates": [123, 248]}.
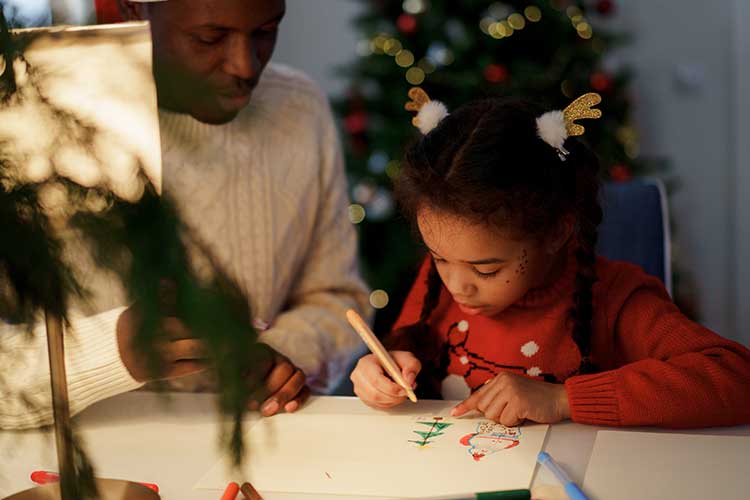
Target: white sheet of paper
{"type": "Point", "coordinates": [375, 455]}
{"type": "Point", "coordinates": [645, 465]}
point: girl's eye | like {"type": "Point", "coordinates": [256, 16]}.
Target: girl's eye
{"type": "Point", "coordinates": [486, 275]}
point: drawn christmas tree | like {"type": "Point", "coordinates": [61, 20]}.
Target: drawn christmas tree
{"type": "Point", "coordinates": [435, 429]}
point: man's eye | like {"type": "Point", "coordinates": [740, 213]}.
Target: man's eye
{"type": "Point", "coordinates": [209, 40]}
{"type": "Point", "coordinates": [267, 30]}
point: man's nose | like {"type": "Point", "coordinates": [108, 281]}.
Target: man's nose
{"type": "Point", "coordinates": [241, 60]}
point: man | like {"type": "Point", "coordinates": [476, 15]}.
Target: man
{"type": "Point", "coordinates": [251, 157]}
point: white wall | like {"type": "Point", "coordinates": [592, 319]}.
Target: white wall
{"type": "Point", "coordinates": [316, 36]}
{"type": "Point", "coordinates": [688, 58]}
{"type": "Point", "coordinates": [676, 44]}
{"type": "Point", "coordinates": [741, 162]}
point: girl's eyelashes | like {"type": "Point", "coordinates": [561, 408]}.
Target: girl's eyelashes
{"type": "Point", "coordinates": [483, 275]}
{"type": "Point", "coordinates": [486, 275]}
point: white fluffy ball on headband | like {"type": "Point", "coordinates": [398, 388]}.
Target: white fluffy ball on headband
{"type": "Point", "coordinates": [430, 115]}
{"type": "Point", "coordinates": [551, 128]}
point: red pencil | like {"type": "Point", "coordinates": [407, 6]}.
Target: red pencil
{"type": "Point", "coordinates": [44, 477]}
{"type": "Point", "coordinates": [231, 492]}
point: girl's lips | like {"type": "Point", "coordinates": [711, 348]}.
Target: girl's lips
{"type": "Point", "coordinates": [471, 310]}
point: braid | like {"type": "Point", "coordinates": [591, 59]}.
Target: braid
{"type": "Point", "coordinates": [419, 339]}
{"type": "Point", "coordinates": [432, 295]}
{"type": "Point", "coordinates": [589, 217]}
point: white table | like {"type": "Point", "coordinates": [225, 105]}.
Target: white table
{"type": "Point", "coordinates": [172, 440]}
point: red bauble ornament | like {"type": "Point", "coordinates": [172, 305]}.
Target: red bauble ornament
{"type": "Point", "coordinates": [601, 82]}
{"type": "Point", "coordinates": [355, 122]}
{"type": "Point", "coordinates": [620, 173]}
{"type": "Point", "coordinates": [605, 7]}
{"type": "Point", "coordinates": [496, 73]}
{"type": "Point", "coordinates": [406, 23]}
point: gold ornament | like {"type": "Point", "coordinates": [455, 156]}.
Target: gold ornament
{"type": "Point", "coordinates": [579, 109]}
{"type": "Point", "coordinates": [418, 99]}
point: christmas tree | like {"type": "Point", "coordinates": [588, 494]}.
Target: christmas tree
{"type": "Point", "coordinates": [550, 51]}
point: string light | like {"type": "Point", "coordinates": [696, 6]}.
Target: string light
{"type": "Point", "coordinates": [392, 169]}
{"type": "Point", "coordinates": [566, 87]}
{"type": "Point", "coordinates": [414, 6]}
{"type": "Point", "coordinates": [356, 213]}
{"type": "Point", "coordinates": [499, 10]}
{"type": "Point", "coordinates": [494, 31]}
{"type": "Point", "coordinates": [573, 11]}
{"type": "Point", "coordinates": [392, 46]}
{"type": "Point", "coordinates": [533, 13]}
{"type": "Point", "coordinates": [485, 23]}
{"type": "Point", "coordinates": [378, 43]}
{"type": "Point", "coordinates": [405, 58]}
{"type": "Point", "coordinates": [427, 65]}
{"type": "Point", "coordinates": [415, 76]}
{"type": "Point", "coordinates": [364, 48]}
{"type": "Point", "coordinates": [516, 21]}
{"type": "Point", "coordinates": [379, 299]}
{"type": "Point", "coordinates": [584, 30]}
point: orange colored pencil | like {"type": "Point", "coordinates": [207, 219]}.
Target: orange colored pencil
{"type": "Point", "coordinates": [379, 351]}
{"type": "Point", "coordinates": [231, 492]}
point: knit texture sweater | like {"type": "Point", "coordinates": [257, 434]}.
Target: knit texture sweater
{"type": "Point", "coordinates": [654, 365]}
{"type": "Point", "coordinates": [267, 193]}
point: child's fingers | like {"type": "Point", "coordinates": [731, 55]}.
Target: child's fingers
{"type": "Point", "coordinates": [384, 385]}
{"type": "Point", "coordinates": [371, 374]}
{"type": "Point", "coordinates": [375, 399]}
{"type": "Point", "coordinates": [410, 365]}
{"type": "Point", "coordinates": [510, 416]}
{"type": "Point", "coordinates": [470, 403]}
{"type": "Point", "coordinates": [493, 408]}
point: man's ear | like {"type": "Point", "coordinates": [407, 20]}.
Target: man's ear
{"type": "Point", "coordinates": [561, 234]}
{"type": "Point", "coordinates": [131, 11]}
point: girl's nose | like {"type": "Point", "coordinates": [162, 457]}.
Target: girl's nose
{"type": "Point", "coordinates": [460, 286]}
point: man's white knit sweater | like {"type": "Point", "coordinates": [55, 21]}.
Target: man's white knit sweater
{"type": "Point", "coordinates": [267, 191]}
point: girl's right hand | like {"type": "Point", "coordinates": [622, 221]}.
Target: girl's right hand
{"type": "Point", "coordinates": [375, 388]}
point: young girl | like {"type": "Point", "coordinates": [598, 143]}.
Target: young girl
{"type": "Point", "coordinates": [512, 311]}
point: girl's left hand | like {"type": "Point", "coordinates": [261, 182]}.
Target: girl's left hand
{"type": "Point", "coordinates": [510, 399]}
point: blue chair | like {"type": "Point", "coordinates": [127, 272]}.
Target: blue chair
{"type": "Point", "coordinates": [635, 228]}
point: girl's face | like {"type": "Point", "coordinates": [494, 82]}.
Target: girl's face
{"type": "Point", "coordinates": [484, 269]}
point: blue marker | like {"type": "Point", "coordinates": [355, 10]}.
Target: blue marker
{"type": "Point", "coordinates": [571, 488]}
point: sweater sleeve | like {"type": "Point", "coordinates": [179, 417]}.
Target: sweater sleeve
{"type": "Point", "coordinates": [92, 361]}
{"type": "Point", "coordinates": [671, 372]}
{"type": "Point", "coordinates": [313, 331]}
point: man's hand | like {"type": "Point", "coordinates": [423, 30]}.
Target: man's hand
{"type": "Point", "coordinates": [284, 388]}
{"type": "Point", "coordinates": [510, 399]}
{"type": "Point", "coordinates": [180, 355]}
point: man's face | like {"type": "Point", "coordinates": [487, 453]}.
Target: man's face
{"type": "Point", "coordinates": [209, 54]}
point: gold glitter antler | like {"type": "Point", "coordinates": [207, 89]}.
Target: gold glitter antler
{"type": "Point", "coordinates": [579, 109]}
{"type": "Point", "coordinates": [418, 99]}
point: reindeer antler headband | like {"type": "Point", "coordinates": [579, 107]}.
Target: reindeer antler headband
{"type": "Point", "coordinates": [553, 127]}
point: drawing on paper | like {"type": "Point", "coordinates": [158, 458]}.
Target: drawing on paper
{"type": "Point", "coordinates": [433, 428]}
{"type": "Point", "coordinates": [490, 438]}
